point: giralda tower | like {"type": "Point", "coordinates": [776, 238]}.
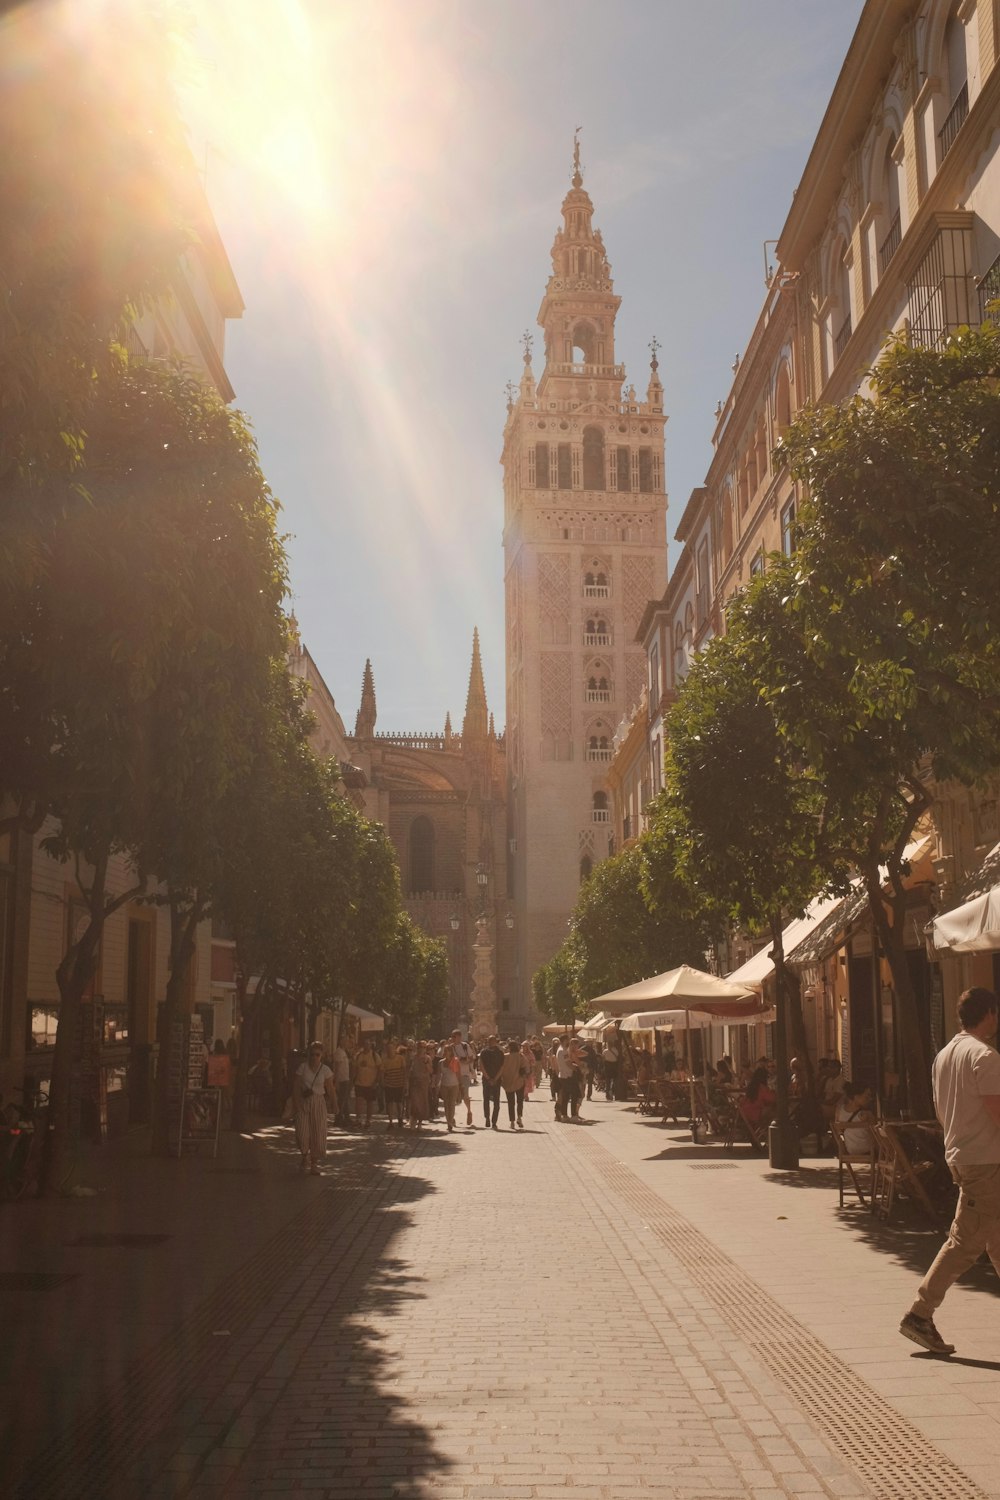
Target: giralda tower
{"type": "Point", "coordinates": [584, 551]}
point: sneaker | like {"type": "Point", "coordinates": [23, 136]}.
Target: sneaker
{"type": "Point", "coordinates": [923, 1332]}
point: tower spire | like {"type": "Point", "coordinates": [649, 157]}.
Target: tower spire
{"type": "Point", "coordinates": [476, 722]}
{"type": "Point", "coordinates": [577, 174]}
{"type": "Point", "coordinates": [364, 727]}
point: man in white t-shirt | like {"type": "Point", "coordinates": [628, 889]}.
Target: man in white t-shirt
{"type": "Point", "coordinates": [967, 1103]}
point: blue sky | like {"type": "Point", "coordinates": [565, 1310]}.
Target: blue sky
{"type": "Point", "coordinates": [387, 177]}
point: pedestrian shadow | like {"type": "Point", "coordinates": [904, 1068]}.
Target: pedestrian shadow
{"type": "Point", "coordinates": [923, 1355]}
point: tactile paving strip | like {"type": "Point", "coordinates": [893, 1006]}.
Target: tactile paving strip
{"type": "Point", "coordinates": [885, 1450]}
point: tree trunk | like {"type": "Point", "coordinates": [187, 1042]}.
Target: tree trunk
{"type": "Point", "coordinates": [75, 972]}
{"type": "Point", "coordinates": [892, 939]}
{"type": "Point", "coordinates": [183, 932]}
{"type": "Point", "coordinates": [276, 1048]}
{"type": "Point", "coordinates": [249, 1009]}
{"type": "Point", "coordinates": [781, 1019]}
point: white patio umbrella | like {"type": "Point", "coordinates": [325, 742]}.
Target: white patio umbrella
{"type": "Point", "coordinates": [972, 928]}
{"type": "Point", "coordinates": [687, 990]}
{"type": "Point", "coordinates": [665, 1020]}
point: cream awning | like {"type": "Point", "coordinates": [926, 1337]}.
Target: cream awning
{"type": "Point", "coordinates": [973, 926]}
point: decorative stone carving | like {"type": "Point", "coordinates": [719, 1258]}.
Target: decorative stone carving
{"type": "Point", "coordinates": [638, 588]}
{"type": "Point", "coordinates": [555, 679]}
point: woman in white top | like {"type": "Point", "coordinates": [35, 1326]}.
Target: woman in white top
{"type": "Point", "coordinates": [312, 1087]}
{"type": "Point", "coordinates": [855, 1115]}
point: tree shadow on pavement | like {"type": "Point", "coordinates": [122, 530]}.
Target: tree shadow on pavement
{"type": "Point", "coordinates": [284, 1374]}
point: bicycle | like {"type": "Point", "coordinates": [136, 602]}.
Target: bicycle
{"type": "Point", "coordinates": [23, 1136]}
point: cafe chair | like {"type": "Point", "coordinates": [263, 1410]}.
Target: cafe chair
{"type": "Point", "coordinates": [865, 1160]}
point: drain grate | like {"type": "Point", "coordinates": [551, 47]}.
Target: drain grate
{"type": "Point", "coordinates": [129, 1241]}
{"type": "Point", "coordinates": [713, 1166]}
{"type": "Point", "coordinates": [887, 1451]}
{"type": "Point", "coordinates": [34, 1281]}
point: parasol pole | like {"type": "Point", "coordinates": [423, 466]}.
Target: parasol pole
{"type": "Point", "coordinates": [687, 1036]}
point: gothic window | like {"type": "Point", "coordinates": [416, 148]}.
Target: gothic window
{"type": "Point", "coordinates": [593, 458]}
{"type": "Point", "coordinates": [602, 580]}
{"type": "Point", "coordinates": [421, 856]}
{"type": "Point", "coordinates": [645, 471]}
{"type": "Point", "coordinates": [588, 580]}
{"type": "Point", "coordinates": [603, 685]}
{"type": "Point", "coordinates": [600, 801]}
{"type": "Point", "coordinates": [591, 628]}
{"type": "Point", "coordinates": [583, 344]}
{"type": "Point", "coordinates": [586, 866]}
{"type": "Point", "coordinates": [564, 467]}
{"type": "Point", "coordinates": [542, 480]}
{"type": "Point", "coordinates": [624, 471]}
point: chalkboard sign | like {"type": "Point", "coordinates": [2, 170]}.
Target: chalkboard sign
{"type": "Point", "coordinates": [201, 1114]}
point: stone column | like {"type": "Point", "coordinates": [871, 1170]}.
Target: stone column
{"type": "Point", "coordinates": [484, 1005]}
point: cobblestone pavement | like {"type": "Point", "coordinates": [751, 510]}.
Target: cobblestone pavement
{"type": "Point", "coordinates": [512, 1316]}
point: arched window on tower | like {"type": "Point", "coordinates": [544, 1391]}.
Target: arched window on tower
{"type": "Point", "coordinates": [593, 458]}
{"type": "Point", "coordinates": [421, 856]}
{"type": "Point", "coordinates": [586, 868]}
{"type": "Point", "coordinates": [542, 478]}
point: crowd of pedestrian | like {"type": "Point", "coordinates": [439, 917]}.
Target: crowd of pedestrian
{"type": "Point", "coordinates": [416, 1082]}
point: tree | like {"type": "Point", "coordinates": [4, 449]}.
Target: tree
{"type": "Point", "coordinates": [621, 937]}
{"type": "Point", "coordinates": [138, 650]}
{"type": "Point", "coordinates": [891, 680]}
{"type": "Point", "coordinates": [100, 200]}
{"type": "Point", "coordinates": [554, 986]}
{"type": "Point", "coordinates": [740, 814]}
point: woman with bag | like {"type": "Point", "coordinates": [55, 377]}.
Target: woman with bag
{"type": "Point", "coordinates": [311, 1088]}
{"type": "Point", "coordinates": [420, 1078]}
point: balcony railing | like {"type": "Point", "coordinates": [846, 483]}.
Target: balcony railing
{"type": "Point", "coordinates": [596, 638]}
{"type": "Point", "coordinates": [988, 288]}
{"type": "Point", "coordinates": [842, 337]}
{"type": "Point", "coordinates": [596, 754]}
{"type": "Point", "coordinates": [940, 296]}
{"type": "Point", "coordinates": [596, 591]}
{"type": "Point", "coordinates": [889, 245]}
{"type": "Point", "coordinates": [601, 815]}
{"type": "Point", "coordinates": [954, 123]}
{"type": "Point", "coordinates": [605, 372]}
{"type": "Point", "coordinates": [598, 695]}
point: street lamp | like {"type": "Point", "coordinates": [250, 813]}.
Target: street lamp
{"type": "Point", "coordinates": [454, 922]}
{"type": "Point", "coordinates": [509, 920]}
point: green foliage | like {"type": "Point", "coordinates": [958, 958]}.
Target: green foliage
{"type": "Point", "coordinates": [100, 198]}
{"type": "Point", "coordinates": [554, 986]}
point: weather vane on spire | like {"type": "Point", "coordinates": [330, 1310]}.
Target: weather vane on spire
{"type": "Point", "coordinates": [526, 340]}
{"type": "Point", "coordinates": [510, 390]}
{"type": "Point", "coordinates": [655, 346]}
{"type": "Point", "coordinates": [577, 178]}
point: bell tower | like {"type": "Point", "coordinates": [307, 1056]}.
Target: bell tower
{"type": "Point", "coordinates": [584, 551]}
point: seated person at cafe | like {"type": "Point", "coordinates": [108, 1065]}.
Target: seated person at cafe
{"type": "Point", "coordinates": [854, 1112]}
{"type": "Point", "coordinates": [724, 1072]}
{"type": "Point", "coordinates": [757, 1104]}
{"type": "Point", "coordinates": [644, 1071]}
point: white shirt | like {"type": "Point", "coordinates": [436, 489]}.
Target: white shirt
{"type": "Point", "coordinates": [464, 1054]}
{"type": "Point", "coordinates": [564, 1062]}
{"type": "Point", "coordinates": [341, 1066]}
{"type": "Point", "coordinates": [963, 1071]}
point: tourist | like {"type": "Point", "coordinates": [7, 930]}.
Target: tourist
{"type": "Point", "coordinates": [564, 1079]}
{"type": "Point", "coordinates": [367, 1067]}
{"type": "Point", "coordinates": [966, 1079]}
{"type": "Point", "coordinates": [312, 1087]}
{"type": "Point", "coordinates": [855, 1115]}
{"type": "Point", "coordinates": [466, 1063]}
{"type": "Point", "coordinates": [448, 1083]}
{"type": "Point", "coordinates": [419, 1086]}
{"type": "Point", "coordinates": [610, 1059]}
{"type": "Point", "coordinates": [342, 1083]}
{"type": "Point", "coordinates": [490, 1063]}
{"type": "Point", "coordinates": [531, 1077]}
{"type": "Point", "coordinates": [757, 1104]}
{"type": "Point", "coordinates": [513, 1072]}
{"type": "Point", "coordinates": [394, 1072]}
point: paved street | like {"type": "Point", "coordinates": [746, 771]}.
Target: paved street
{"type": "Point", "coordinates": [597, 1310]}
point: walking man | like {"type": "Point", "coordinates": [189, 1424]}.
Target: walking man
{"type": "Point", "coordinates": [490, 1064]}
{"type": "Point", "coordinates": [564, 1079]}
{"type": "Point", "coordinates": [967, 1102]}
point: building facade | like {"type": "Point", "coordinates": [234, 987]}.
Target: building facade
{"type": "Point", "coordinates": [894, 228]}
{"type": "Point", "coordinates": [443, 800]}
{"type": "Point", "coordinates": [584, 549]}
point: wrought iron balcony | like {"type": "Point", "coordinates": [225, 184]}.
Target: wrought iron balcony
{"type": "Point", "coordinates": [842, 337]}
{"type": "Point", "coordinates": [988, 287]}
{"type": "Point", "coordinates": [889, 245]}
{"type": "Point", "coordinates": [954, 123]}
